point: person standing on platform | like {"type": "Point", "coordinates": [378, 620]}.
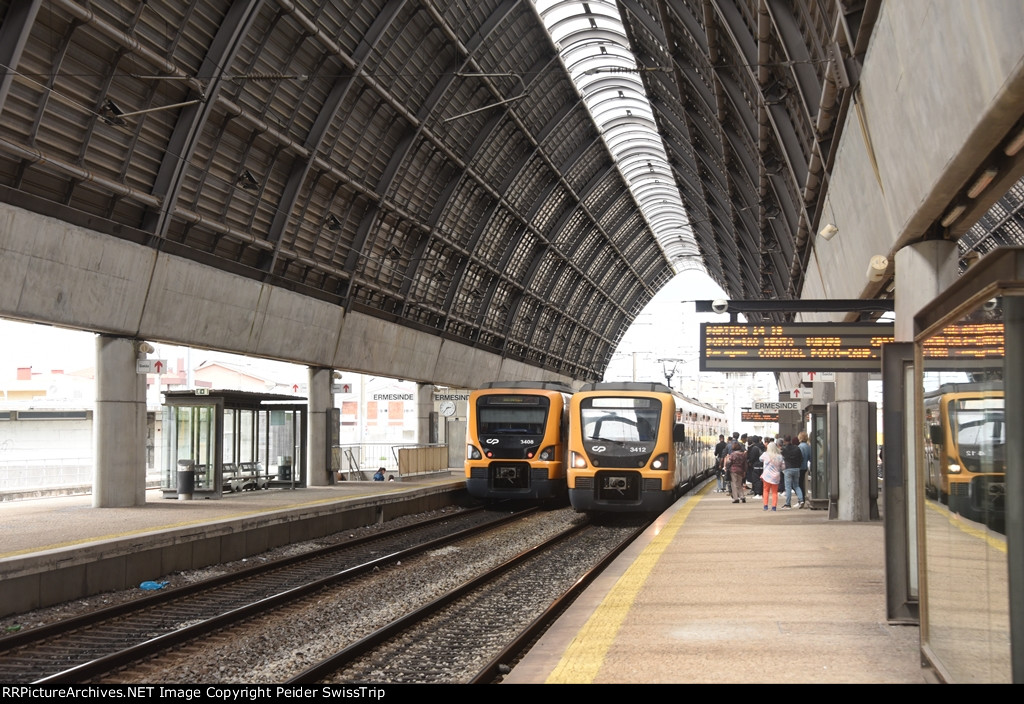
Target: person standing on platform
{"type": "Point", "coordinates": [756, 449]}
{"type": "Point", "coordinates": [723, 462]}
{"type": "Point", "coordinates": [736, 463]}
{"type": "Point", "coordinates": [794, 458]}
{"type": "Point", "coordinates": [805, 450]}
{"type": "Point", "coordinates": [771, 475]}
{"type": "Point", "coordinates": [379, 475]}
{"type": "Point", "coordinates": [719, 456]}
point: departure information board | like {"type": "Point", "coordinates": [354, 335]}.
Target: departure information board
{"type": "Point", "coordinates": [758, 417]}
{"type": "Point", "coordinates": [799, 347]}
{"type": "Point", "coordinates": [971, 341]}
{"type": "Point", "coordinates": [840, 347]}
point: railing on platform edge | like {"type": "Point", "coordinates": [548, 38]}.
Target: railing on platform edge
{"type": "Point", "coordinates": [358, 462]}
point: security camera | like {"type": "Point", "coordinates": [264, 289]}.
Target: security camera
{"type": "Point", "coordinates": [719, 305]}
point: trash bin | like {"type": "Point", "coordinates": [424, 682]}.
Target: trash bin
{"type": "Point", "coordinates": [284, 468]}
{"type": "Point", "coordinates": [186, 480]}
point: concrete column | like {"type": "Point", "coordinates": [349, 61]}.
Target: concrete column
{"type": "Point", "coordinates": [318, 435]}
{"type": "Point", "coordinates": [923, 271]}
{"type": "Point", "coordinates": [823, 392]}
{"type": "Point", "coordinates": [424, 407]}
{"type": "Point", "coordinates": [119, 425]}
{"type": "Point", "coordinates": [856, 467]}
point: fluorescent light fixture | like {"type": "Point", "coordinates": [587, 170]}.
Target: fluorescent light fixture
{"type": "Point", "coordinates": [952, 215]}
{"type": "Point", "coordinates": [1014, 144]}
{"type": "Point", "coordinates": [982, 183]}
{"type": "Point", "coordinates": [828, 232]}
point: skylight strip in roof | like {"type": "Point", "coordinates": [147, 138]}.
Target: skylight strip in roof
{"type": "Point", "coordinates": [593, 46]}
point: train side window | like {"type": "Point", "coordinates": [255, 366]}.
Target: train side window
{"type": "Point", "coordinates": [679, 433]}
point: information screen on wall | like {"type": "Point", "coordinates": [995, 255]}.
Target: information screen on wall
{"type": "Point", "coordinates": [759, 417]}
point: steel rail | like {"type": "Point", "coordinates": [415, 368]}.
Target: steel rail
{"type": "Point", "coordinates": [103, 664]}
{"type": "Point", "coordinates": [366, 644]}
{"type": "Point", "coordinates": [491, 672]}
{"type": "Point", "coordinates": [33, 635]}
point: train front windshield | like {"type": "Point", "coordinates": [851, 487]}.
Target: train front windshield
{"type": "Point", "coordinates": [979, 433]}
{"type": "Point", "coordinates": [512, 415]}
{"type": "Point", "coordinates": [620, 419]}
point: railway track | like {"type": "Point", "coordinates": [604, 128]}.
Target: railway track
{"type": "Point", "coordinates": [477, 630]}
{"type": "Point", "coordinates": [286, 631]}
{"type": "Point", "coordinates": [85, 647]}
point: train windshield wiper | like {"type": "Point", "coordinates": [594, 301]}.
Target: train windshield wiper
{"type": "Point", "coordinates": [620, 443]}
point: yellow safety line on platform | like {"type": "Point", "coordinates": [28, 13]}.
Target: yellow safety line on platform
{"type": "Point", "coordinates": [994, 542]}
{"type": "Point", "coordinates": [585, 655]}
{"type": "Point", "coordinates": [185, 524]}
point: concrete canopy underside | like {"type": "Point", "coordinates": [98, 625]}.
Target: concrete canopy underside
{"type": "Point", "coordinates": [415, 189]}
{"type": "Point", "coordinates": [113, 286]}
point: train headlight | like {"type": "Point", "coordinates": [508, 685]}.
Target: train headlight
{"type": "Point", "coordinates": [547, 454]}
{"type": "Point", "coordinates": [954, 469]}
{"type": "Point", "coordinates": [473, 453]}
{"type": "Point", "coordinates": [578, 460]}
{"type": "Point", "coordinates": [660, 462]}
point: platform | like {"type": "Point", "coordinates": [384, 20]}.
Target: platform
{"type": "Point", "coordinates": [723, 593]}
{"type": "Point", "coordinates": [714, 592]}
{"type": "Point", "coordinates": [61, 548]}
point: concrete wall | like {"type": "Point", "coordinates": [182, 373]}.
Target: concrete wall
{"type": "Point", "coordinates": [57, 438]}
{"type": "Point", "coordinates": [58, 453]}
{"type": "Point", "coordinates": [57, 273]}
{"type": "Point", "coordinates": [942, 85]}
{"type": "Point", "coordinates": [44, 453]}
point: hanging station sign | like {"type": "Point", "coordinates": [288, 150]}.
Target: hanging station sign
{"type": "Point", "coordinates": [835, 347]}
{"type": "Point", "coordinates": [799, 347]}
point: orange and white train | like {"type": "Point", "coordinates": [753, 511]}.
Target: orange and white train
{"type": "Point", "coordinates": [515, 441]}
{"type": "Point", "coordinates": [637, 446]}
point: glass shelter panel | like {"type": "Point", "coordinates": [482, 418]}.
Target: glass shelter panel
{"type": "Point", "coordinates": [962, 520]}
{"type": "Point", "coordinates": [280, 447]}
{"type": "Point", "coordinates": [230, 436]}
{"type": "Point", "coordinates": [816, 427]}
{"type": "Point", "coordinates": [190, 435]}
{"type": "Point", "coordinates": [247, 435]}
{"type": "Point", "coordinates": [237, 441]}
{"type": "Point", "coordinates": [912, 493]}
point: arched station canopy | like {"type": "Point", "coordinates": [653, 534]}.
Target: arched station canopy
{"type": "Point", "coordinates": [432, 163]}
